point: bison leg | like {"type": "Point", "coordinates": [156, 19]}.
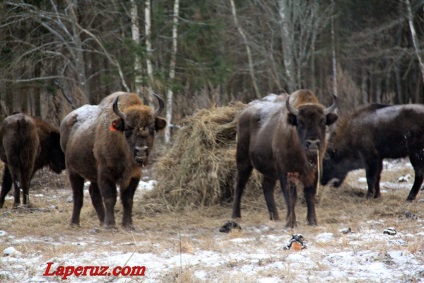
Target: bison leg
{"type": "Point", "coordinates": [6, 185]}
{"type": "Point", "coordinates": [77, 184]}
{"type": "Point", "coordinates": [127, 199]}
{"type": "Point", "coordinates": [17, 198]}
{"type": "Point", "coordinates": [109, 195]}
{"type": "Point", "coordinates": [418, 165]}
{"type": "Point", "coordinates": [373, 169]}
{"type": "Point", "coordinates": [290, 196]}
{"type": "Point", "coordinates": [268, 185]}
{"type": "Point", "coordinates": [310, 193]}
{"type": "Point", "coordinates": [26, 181]}
{"type": "Point", "coordinates": [243, 173]}
{"type": "Point", "coordinates": [97, 201]}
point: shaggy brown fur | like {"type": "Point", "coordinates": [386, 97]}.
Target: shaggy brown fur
{"type": "Point", "coordinates": [276, 138]}
{"type": "Point", "coordinates": [372, 133]}
{"type": "Point", "coordinates": [107, 145]}
{"type": "Point", "coordinates": [27, 145]}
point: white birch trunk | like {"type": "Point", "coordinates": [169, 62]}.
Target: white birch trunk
{"type": "Point", "coordinates": [333, 47]}
{"type": "Point", "coordinates": [148, 31]}
{"type": "Point", "coordinates": [135, 34]}
{"type": "Point", "coordinates": [287, 44]}
{"type": "Point", "coordinates": [170, 94]}
{"type": "Point", "coordinates": [249, 53]}
{"type": "Point", "coordinates": [78, 53]}
{"type": "Point", "coordinates": [414, 38]}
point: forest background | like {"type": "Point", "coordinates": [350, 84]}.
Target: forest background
{"type": "Point", "coordinates": [56, 55]}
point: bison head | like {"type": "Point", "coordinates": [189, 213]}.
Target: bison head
{"type": "Point", "coordinates": [139, 125]}
{"type": "Point", "coordinates": [310, 120]}
{"type": "Point", "coordinates": [56, 156]}
{"type": "Point", "coordinates": [337, 163]}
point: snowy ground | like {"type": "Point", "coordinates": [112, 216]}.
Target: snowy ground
{"type": "Point", "coordinates": [195, 252]}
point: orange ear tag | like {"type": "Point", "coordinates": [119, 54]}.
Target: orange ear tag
{"type": "Point", "coordinates": [112, 127]}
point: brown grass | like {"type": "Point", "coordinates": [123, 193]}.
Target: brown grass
{"type": "Point", "coordinates": [199, 169]}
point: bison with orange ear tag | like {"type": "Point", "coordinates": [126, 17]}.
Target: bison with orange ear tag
{"type": "Point", "coordinates": [108, 144]}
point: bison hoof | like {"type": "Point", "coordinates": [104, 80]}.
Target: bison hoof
{"type": "Point", "coordinates": [290, 225]}
{"type": "Point", "coordinates": [128, 227]}
{"type": "Point", "coordinates": [110, 227]}
{"type": "Point", "coordinates": [74, 225]}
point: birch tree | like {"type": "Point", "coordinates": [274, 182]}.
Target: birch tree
{"type": "Point", "coordinates": [249, 53]}
{"type": "Point", "coordinates": [287, 43]}
{"type": "Point", "coordinates": [148, 31]}
{"type": "Point", "coordinates": [300, 22]}
{"type": "Point", "coordinates": [135, 33]}
{"type": "Point", "coordinates": [414, 38]}
{"type": "Point", "coordinates": [333, 52]}
{"type": "Point", "coordinates": [170, 93]}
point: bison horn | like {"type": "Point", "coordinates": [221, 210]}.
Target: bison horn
{"type": "Point", "coordinates": [291, 109]}
{"type": "Point", "coordinates": [116, 109]}
{"type": "Point", "coordinates": [161, 105]}
{"type": "Point", "coordinates": [332, 107]}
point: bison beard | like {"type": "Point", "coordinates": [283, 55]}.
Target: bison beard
{"type": "Point", "coordinates": [280, 137]}
{"type": "Point", "coordinates": [107, 144]}
{"type": "Point", "coordinates": [27, 145]}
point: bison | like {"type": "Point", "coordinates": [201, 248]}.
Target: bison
{"type": "Point", "coordinates": [370, 134]}
{"type": "Point", "coordinates": [108, 144]}
{"type": "Point", "coordinates": [282, 136]}
{"type": "Point", "coordinates": [27, 145]}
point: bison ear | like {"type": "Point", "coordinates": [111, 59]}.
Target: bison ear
{"type": "Point", "coordinates": [117, 125]}
{"type": "Point", "coordinates": [292, 119]}
{"type": "Point", "coordinates": [331, 118]}
{"type": "Point", "coordinates": [160, 123]}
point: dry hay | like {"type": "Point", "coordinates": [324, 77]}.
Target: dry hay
{"type": "Point", "coordinates": [199, 169]}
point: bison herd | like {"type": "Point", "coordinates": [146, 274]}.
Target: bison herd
{"type": "Point", "coordinates": [281, 136]}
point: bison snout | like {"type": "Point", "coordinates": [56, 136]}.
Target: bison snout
{"type": "Point", "coordinates": [141, 153]}
{"type": "Point", "coordinates": [313, 144]}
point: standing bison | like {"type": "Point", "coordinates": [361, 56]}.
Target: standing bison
{"type": "Point", "coordinates": [370, 134]}
{"type": "Point", "coordinates": [108, 144]}
{"type": "Point", "coordinates": [27, 145]}
{"type": "Point", "coordinates": [279, 135]}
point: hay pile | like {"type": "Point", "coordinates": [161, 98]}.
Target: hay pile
{"type": "Point", "coordinates": [200, 168]}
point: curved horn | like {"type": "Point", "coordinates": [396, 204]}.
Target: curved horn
{"type": "Point", "coordinates": [291, 109]}
{"type": "Point", "coordinates": [116, 109]}
{"type": "Point", "coordinates": [332, 107]}
{"type": "Point", "coordinates": [161, 105]}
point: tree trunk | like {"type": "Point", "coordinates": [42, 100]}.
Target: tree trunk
{"type": "Point", "coordinates": [78, 49]}
{"type": "Point", "coordinates": [287, 44]}
{"type": "Point", "coordinates": [148, 31]}
{"type": "Point", "coordinates": [170, 94]}
{"type": "Point", "coordinates": [249, 54]}
{"type": "Point", "coordinates": [333, 52]}
{"type": "Point", "coordinates": [414, 38]}
{"type": "Point", "coordinates": [135, 34]}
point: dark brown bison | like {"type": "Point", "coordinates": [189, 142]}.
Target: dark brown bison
{"type": "Point", "coordinates": [279, 135]}
{"type": "Point", "coordinates": [27, 145]}
{"type": "Point", "coordinates": [108, 144]}
{"type": "Point", "coordinates": [372, 133]}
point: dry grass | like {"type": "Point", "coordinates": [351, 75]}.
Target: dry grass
{"type": "Point", "coordinates": [199, 169]}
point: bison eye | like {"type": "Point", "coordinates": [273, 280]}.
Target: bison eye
{"type": "Point", "coordinates": [128, 131]}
